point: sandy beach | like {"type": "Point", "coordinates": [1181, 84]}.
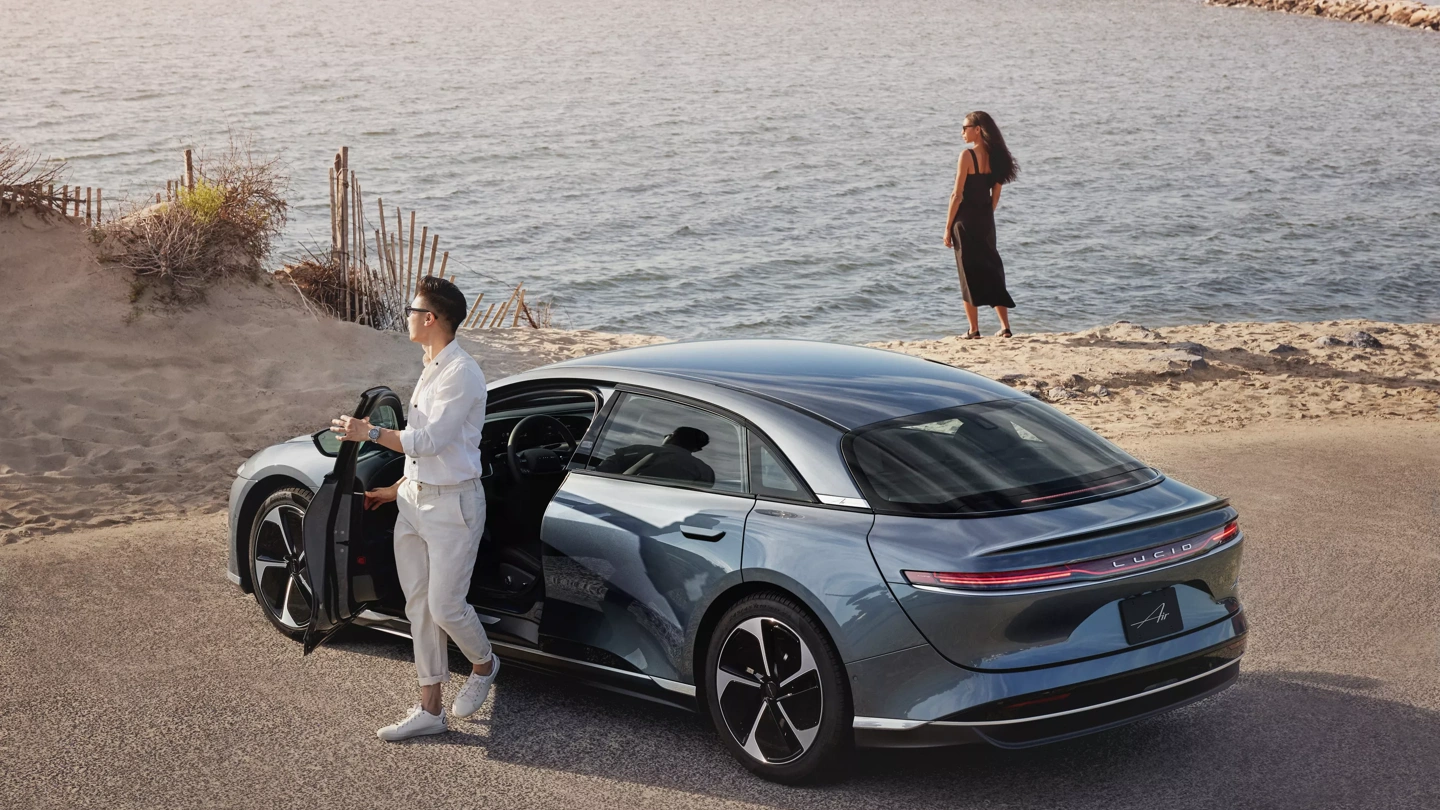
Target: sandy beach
{"type": "Point", "coordinates": [1126, 380]}
{"type": "Point", "coordinates": [120, 412]}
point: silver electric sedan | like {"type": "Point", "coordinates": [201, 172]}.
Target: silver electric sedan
{"type": "Point", "coordinates": [817, 546]}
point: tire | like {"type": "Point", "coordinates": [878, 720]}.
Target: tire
{"type": "Point", "coordinates": [801, 729]}
{"type": "Point", "coordinates": [277, 560]}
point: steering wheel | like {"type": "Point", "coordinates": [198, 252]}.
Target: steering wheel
{"type": "Point", "coordinates": [535, 461]}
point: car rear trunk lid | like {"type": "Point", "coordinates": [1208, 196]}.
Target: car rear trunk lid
{"type": "Point", "coordinates": [1044, 625]}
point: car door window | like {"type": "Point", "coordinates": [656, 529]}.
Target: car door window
{"type": "Point", "coordinates": [652, 438]}
{"type": "Point", "coordinates": [770, 476]}
{"type": "Point", "coordinates": [384, 416]}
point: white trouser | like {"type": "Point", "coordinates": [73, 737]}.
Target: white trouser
{"type": "Point", "coordinates": [436, 538]}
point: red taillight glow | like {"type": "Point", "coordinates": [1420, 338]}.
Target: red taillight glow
{"type": "Point", "coordinates": [1081, 571]}
{"type": "Point", "coordinates": [957, 579]}
{"type": "Point", "coordinates": [1050, 699]}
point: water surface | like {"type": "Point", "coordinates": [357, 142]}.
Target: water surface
{"type": "Point", "coordinates": [781, 168]}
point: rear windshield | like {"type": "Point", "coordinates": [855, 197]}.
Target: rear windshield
{"type": "Point", "coordinates": [1000, 456]}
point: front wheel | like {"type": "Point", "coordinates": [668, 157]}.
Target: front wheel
{"type": "Point", "coordinates": [277, 560]}
{"type": "Point", "coordinates": [776, 691]}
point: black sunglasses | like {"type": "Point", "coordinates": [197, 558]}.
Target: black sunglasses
{"type": "Point", "coordinates": [409, 310]}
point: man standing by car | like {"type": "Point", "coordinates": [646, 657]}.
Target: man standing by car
{"type": "Point", "coordinates": [441, 508]}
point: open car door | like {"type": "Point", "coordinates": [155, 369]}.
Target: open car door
{"type": "Point", "coordinates": [335, 567]}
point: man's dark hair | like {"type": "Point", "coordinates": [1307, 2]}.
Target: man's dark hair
{"type": "Point", "coordinates": [444, 299]}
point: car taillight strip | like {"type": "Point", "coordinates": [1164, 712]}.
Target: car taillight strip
{"type": "Point", "coordinates": [1078, 572]}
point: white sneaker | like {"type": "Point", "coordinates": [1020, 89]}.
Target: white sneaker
{"type": "Point", "coordinates": [476, 689]}
{"type": "Point", "coordinates": [416, 724]}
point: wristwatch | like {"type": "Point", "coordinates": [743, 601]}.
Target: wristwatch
{"type": "Point", "coordinates": [374, 434]}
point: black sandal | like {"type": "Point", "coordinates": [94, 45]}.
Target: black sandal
{"type": "Point", "coordinates": [1004, 333]}
{"type": "Point", "coordinates": [972, 335]}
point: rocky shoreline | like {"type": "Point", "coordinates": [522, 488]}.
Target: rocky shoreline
{"type": "Point", "coordinates": [1408, 13]}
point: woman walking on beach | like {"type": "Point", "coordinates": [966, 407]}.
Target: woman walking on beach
{"type": "Point", "coordinates": [970, 227]}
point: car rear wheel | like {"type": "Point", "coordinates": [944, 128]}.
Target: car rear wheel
{"type": "Point", "coordinates": [776, 691]}
{"type": "Point", "coordinates": [277, 560]}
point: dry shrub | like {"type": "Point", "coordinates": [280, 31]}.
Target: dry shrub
{"type": "Point", "coordinates": [321, 281]}
{"type": "Point", "coordinates": [222, 228]}
{"type": "Point", "coordinates": [23, 181]}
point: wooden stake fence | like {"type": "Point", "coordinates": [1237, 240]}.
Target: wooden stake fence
{"type": "Point", "coordinates": [375, 291]}
{"type": "Point", "coordinates": [87, 203]}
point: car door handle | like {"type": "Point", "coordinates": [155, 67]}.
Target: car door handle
{"type": "Point", "coordinates": [701, 533]}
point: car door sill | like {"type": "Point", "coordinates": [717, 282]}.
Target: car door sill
{"type": "Point", "coordinates": [372, 616]}
{"type": "Point", "coordinates": [379, 621]}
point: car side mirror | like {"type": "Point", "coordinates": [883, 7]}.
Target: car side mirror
{"type": "Point", "coordinates": [327, 442]}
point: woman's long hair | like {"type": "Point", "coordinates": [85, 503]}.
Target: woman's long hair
{"type": "Point", "coordinates": [1002, 164]}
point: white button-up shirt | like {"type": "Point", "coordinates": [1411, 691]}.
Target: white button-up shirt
{"type": "Point", "coordinates": [447, 411]}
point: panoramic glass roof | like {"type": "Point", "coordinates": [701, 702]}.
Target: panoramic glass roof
{"type": "Point", "coordinates": [850, 385]}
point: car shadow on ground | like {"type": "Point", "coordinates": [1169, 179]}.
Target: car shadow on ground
{"type": "Point", "coordinates": [1274, 740]}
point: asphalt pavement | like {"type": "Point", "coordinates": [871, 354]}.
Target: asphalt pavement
{"type": "Point", "coordinates": [133, 674]}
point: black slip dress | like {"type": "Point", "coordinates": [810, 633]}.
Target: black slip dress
{"type": "Point", "coordinates": [982, 274]}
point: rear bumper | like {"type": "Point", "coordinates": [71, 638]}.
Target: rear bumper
{"type": "Point", "coordinates": [1034, 708]}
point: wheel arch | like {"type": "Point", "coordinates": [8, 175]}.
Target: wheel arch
{"type": "Point", "coordinates": [244, 521]}
{"type": "Point", "coordinates": [771, 583]}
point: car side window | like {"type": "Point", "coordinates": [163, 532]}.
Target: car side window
{"type": "Point", "coordinates": [648, 437]}
{"type": "Point", "coordinates": [770, 476]}
{"type": "Point", "coordinates": [384, 416]}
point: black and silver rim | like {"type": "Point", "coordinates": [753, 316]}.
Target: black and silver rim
{"type": "Point", "coordinates": [279, 574]}
{"type": "Point", "coordinates": [769, 691]}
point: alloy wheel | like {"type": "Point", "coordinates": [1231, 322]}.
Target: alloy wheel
{"type": "Point", "coordinates": [279, 570]}
{"type": "Point", "coordinates": [769, 690]}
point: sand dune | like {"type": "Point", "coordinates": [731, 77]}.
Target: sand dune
{"type": "Point", "coordinates": [116, 412]}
